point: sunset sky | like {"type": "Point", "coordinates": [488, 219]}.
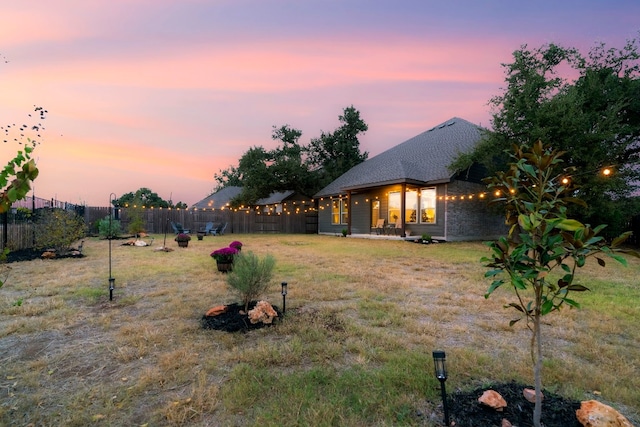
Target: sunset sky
{"type": "Point", "coordinates": [164, 94]}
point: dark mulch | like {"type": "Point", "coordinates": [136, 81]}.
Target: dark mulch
{"type": "Point", "coordinates": [466, 411]}
{"type": "Point", "coordinates": [31, 254]}
{"type": "Point", "coordinates": [233, 320]}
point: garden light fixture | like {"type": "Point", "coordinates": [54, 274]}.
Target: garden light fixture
{"type": "Point", "coordinates": [440, 367]}
{"type": "Point", "coordinates": [112, 281]}
{"type": "Point", "coordinates": [284, 297]}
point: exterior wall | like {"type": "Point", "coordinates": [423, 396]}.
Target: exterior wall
{"type": "Point", "coordinates": [471, 218]}
{"type": "Point", "coordinates": [361, 221]}
{"type": "Point", "coordinates": [324, 218]}
{"type": "Point", "coordinates": [458, 217]}
{"type": "Point", "coordinates": [360, 214]}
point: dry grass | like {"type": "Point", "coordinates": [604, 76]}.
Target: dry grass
{"type": "Point", "coordinates": [363, 318]}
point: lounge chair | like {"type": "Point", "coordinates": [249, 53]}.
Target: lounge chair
{"type": "Point", "coordinates": [219, 230]}
{"type": "Point", "coordinates": [178, 228]}
{"type": "Point", "coordinates": [208, 228]}
{"type": "Point", "coordinates": [399, 228]}
{"type": "Point", "coordinates": [379, 228]}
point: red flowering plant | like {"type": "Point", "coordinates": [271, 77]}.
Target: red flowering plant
{"type": "Point", "coordinates": [182, 237]}
{"type": "Point", "coordinates": [224, 255]}
{"type": "Point", "coordinates": [236, 244]}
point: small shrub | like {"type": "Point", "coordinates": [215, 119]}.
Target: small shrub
{"type": "Point", "coordinates": [109, 232]}
{"type": "Point", "coordinates": [136, 222]}
{"type": "Point", "coordinates": [251, 276]}
{"type": "Point", "coordinates": [58, 229]}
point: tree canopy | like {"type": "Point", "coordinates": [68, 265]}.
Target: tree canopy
{"type": "Point", "coordinates": [292, 166]}
{"type": "Point", "coordinates": [145, 197]}
{"type": "Point", "coordinates": [588, 107]}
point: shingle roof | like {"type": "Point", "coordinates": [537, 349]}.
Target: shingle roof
{"type": "Point", "coordinates": [219, 199]}
{"type": "Point", "coordinates": [422, 159]}
{"type": "Point", "coordinates": [277, 197]}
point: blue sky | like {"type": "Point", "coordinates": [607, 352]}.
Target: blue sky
{"type": "Point", "coordinates": [163, 94]}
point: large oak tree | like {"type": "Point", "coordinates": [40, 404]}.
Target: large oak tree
{"type": "Point", "coordinates": [588, 107]}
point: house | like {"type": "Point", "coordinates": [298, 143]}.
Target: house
{"type": "Point", "coordinates": [219, 200]}
{"type": "Point", "coordinates": [283, 201]}
{"type": "Point", "coordinates": [411, 188]}
{"type": "Point", "coordinates": [277, 202]}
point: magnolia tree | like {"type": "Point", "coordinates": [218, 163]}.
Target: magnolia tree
{"type": "Point", "coordinates": [539, 257]}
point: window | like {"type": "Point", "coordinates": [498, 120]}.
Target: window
{"type": "Point", "coordinates": [428, 205]}
{"type": "Point", "coordinates": [411, 206]}
{"type": "Point", "coordinates": [339, 211]}
{"type": "Point", "coordinates": [394, 207]}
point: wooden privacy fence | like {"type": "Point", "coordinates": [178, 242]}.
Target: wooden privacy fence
{"type": "Point", "coordinates": [20, 235]}
{"type": "Point", "coordinates": [240, 222]}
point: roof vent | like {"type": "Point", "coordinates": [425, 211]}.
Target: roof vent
{"type": "Point", "coordinates": [450, 123]}
{"type": "Point", "coordinates": [441, 126]}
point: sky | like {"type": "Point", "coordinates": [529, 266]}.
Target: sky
{"type": "Point", "coordinates": [164, 94]}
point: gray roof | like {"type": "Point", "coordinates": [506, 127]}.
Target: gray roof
{"type": "Point", "coordinates": [277, 197]}
{"type": "Point", "coordinates": [219, 199]}
{"type": "Point", "coordinates": [421, 160]}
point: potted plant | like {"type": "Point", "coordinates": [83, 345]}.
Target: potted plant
{"type": "Point", "coordinates": [236, 245]}
{"type": "Point", "coordinates": [183, 240]}
{"type": "Point", "coordinates": [344, 232]}
{"type": "Point", "coordinates": [200, 234]}
{"type": "Point", "coordinates": [224, 258]}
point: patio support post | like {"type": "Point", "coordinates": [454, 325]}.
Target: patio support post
{"type": "Point", "coordinates": [349, 212]}
{"type": "Point", "coordinates": [403, 208]}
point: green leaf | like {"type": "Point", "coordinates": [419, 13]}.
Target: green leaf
{"type": "Point", "coordinates": [569, 225]}
{"type": "Point", "coordinates": [513, 322]}
{"type": "Point", "coordinates": [571, 302]}
{"type": "Point", "coordinates": [495, 285]}
{"type": "Point", "coordinates": [518, 283]}
{"type": "Point", "coordinates": [492, 273]}
{"type": "Point", "coordinates": [578, 288]}
{"type": "Point", "coordinates": [547, 307]}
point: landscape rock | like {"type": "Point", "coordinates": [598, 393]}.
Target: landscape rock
{"type": "Point", "coordinates": [262, 312]}
{"type": "Point", "coordinates": [493, 400]}
{"type": "Point", "coordinates": [530, 395]}
{"type": "Point", "coordinates": [218, 309]}
{"type": "Point", "coordinates": [596, 414]}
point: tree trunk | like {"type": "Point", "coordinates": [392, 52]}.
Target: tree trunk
{"type": "Point", "coordinates": [537, 370]}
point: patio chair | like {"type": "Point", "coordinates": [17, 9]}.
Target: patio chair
{"type": "Point", "coordinates": [178, 228]}
{"type": "Point", "coordinates": [379, 228]}
{"type": "Point", "coordinates": [219, 230]}
{"type": "Point", "coordinates": [208, 228]}
{"type": "Point", "coordinates": [399, 228]}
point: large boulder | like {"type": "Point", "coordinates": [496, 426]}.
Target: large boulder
{"type": "Point", "coordinates": [596, 414]}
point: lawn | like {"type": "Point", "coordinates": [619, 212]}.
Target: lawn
{"type": "Point", "coordinates": [362, 318]}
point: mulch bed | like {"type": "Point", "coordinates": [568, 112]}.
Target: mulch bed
{"type": "Point", "coordinates": [466, 411]}
{"type": "Point", "coordinates": [234, 319]}
{"type": "Point", "coordinates": [31, 254]}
